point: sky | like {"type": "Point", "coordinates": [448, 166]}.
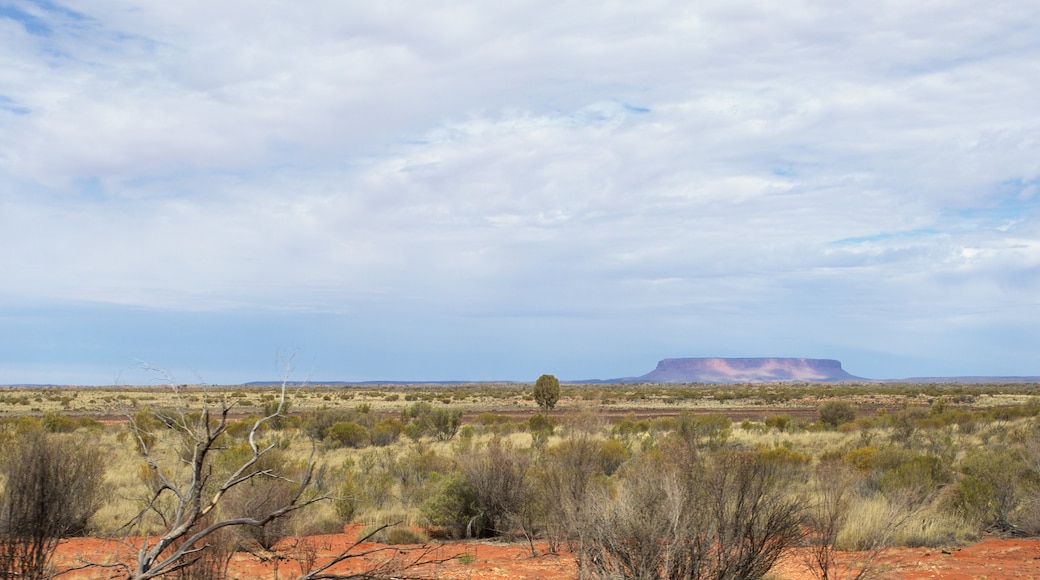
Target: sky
{"type": "Point", "coordinates": [469, 190]}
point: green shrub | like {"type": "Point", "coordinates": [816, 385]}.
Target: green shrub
{"type": "Point", "coordinates": [58, 423]}
{"type": "Point", "coordinates": [864, 458]}
{"type": "Point", "coordinates": [486, 419]}
{"type": "Point", "coordinates": [991, 489]}
{"type": "Point", "coordinates": [782, 456]}
{"type": "Point", "coordinates": [452, 507]}
{"type": "Point", "coordinates": [628, 427]}
{"type": "Point", "coordinates": [921, 475]}
{"type": "Point", "coordinates": [612, 453]}
{"type": "Point", "coordinates": [714, 429]}
{"type": "Point", "coordinates": [348, 434]}
{"type": "Point", "coordinates": [386, 431]}
{"type": "Point", "coordinates": [417, 410]}
{"type": "Point", "coordinates": [778, 422]}
{"type": "Point", "coordinates": [835, 413]}
{"type": "Point", "coordinates": [445, 423]}
{"type": "Point", "coordinates": [347, 495]}
{"type": "Point", "coordinates": [541, 424]}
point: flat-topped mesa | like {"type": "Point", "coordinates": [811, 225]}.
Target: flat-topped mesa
{"type": "Point", "coordinates": [745, 370]}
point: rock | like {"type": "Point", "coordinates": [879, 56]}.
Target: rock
{"type": "Point", "coordinates": [745, 370]}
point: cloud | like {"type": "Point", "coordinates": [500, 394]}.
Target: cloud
{"type": "Point", "coordinates": [691, 168]}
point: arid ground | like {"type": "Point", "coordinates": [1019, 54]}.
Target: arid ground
{"type": "Point", "coordinates": [993, 556]}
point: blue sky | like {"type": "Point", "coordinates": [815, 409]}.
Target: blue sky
{"type": "Point", "coordinates": [493, 190]}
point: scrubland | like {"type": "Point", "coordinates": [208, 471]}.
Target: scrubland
{"type": "Point", "coordinates": [644, 481]}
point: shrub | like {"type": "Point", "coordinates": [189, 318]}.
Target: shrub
{"type": "Point", "coordinates": [498, 477]}
{"type": "Point", "coordinates": [920, 475]}
{"type": "Point", "coordinates": [419, 464]}
{"type": "Point", "coordinates": [714, 428]}
{"type": "Point", "coordinates": [316, 424]}
{"type": "Point", "coordinates": [445, 423]}
{"type": "Point", "coordinates": [541, 424]}
{"type": "Point", "coordinates": [835, 413]}
{"type": "Point", "coordinates": [417, 410]}
{"type": "Point", "coordinates": [864, 458]}
{"type": "Point", "coordinates": [989, 492]}
{"type": "Point", "coordinates": [691, 517]}
{"type": "Point", "coordinates": [486, 419]}
{"type": "Point", "coordinates": [348, 434]}
{"type": "Point", "coordinates": [453, 507]}
{"type": "Point", "coordinates": [347, 495]}
{"type": "Point", "coordinates": [778, 422]}
{"type": "Point", "coordinates": [612, 453]}
{"type": "Point", "coordinates": [783, 457]}
{"type": "Point", "coordinates": [52, 486]}
{"type": "Point", "coordinates": [629, 427]}
{"type": "Point", "coordinates": [58, 423]}
{"type": "Point", "coordinates": [487, 496]}
{"type": "Point", "coordinates": [565, 476]}
{"type": "Point", "coordinates": [386, 431]}
{"type": "Point", "coordinates": [258, 497]}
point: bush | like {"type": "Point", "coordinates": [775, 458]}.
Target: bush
{"type": "Point", "coordinates": [541, 424]}
{"type": "Point", "coordinates": [864, 458]}
{"type": "Point", "coordinates": [714, 429]}
{"type": "Point", "coordinates": [52, 486]}
{"type": "Point", "coordinates": [612, 453]}
{"type": "Point", "coordinates": [565, 475]}
{"type": "Point", "coordinates": [920, 475]}
{"type": "Point", "coordinates": [348, 434]}
{"type": "Point", "coordinates": [486, 497]}
{"type": "Point", "coordinates": [989, 492]}
{"type": "Point", "coordinates": [453, 507]}
{"type": "Point", "coordinates": [386, 432]}
{"type": "Point", "coordinates": [778, 422]}
{"type": "Point", "coordinates": [686, 516]}
{"type": "Point", "coordinates": [445, 423]}
{"type": "Point", "coordinates": [347, 495]}
{"type": "Point", "coordinates": [835, 413]}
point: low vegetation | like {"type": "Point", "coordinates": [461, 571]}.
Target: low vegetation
{"type": "Point", "coordinates": [689, 481]}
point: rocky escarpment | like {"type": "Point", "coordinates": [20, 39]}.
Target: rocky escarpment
{"type": "Point", "coordinates": [745, 370]}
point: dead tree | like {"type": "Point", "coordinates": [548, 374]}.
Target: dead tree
{"type": "Point", "coordinates": [187, 490]}
{"type": "Point", "coordinates": [193, 472]}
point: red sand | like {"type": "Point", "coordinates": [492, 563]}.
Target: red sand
{"type": "Point", "coordinates": [992, 558]}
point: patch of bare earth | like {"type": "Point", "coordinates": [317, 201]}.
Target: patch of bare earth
{"type": "Point", "coordinates": [993, 558]}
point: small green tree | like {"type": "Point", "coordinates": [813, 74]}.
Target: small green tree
{"type": "Point", "coordinates": [547, 392]}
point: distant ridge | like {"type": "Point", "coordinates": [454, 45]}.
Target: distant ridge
{"type": "Point", "coordinates": [669, 370]}
{"type": "Point", "coordinates": [744, 370]}
{"type": "Point", "coordinates": [968, 380]}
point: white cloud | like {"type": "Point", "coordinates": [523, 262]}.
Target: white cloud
{"type": "Point", "coordinates": [717, 161]}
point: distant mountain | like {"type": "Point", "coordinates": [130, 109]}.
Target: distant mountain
{"type": "Point", "coordinates": [968, 380]}
{"type": "Point", "coordinates": [744, 370]}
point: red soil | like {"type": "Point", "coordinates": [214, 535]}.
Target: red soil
{"type": "Point", "coordinates": [992, 558]}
